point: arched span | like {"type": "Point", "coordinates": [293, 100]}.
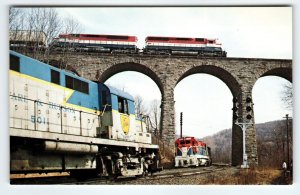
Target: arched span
{"type": "Point", "coordinates": [281, 72]}
{"type": "Point", "coordinates": [220, 73]}
{"type": "Point", "coordinates": [131, 66]}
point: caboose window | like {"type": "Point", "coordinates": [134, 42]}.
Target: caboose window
{"type": "Point", "coordinates": [55, 77]}
{"type": "Point", "coordinates": [77, 84]}
{"type": "Point", "coordinates": [14, 63]}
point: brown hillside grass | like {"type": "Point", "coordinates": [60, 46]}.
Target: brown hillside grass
{"type": "Point", "coordinates": [253, 176]}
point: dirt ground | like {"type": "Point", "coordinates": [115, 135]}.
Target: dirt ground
{"type": "Point", "coordinates": [230, 176]}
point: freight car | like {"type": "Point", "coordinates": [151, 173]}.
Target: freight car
{"type": "Point", "coordinates": [191, 152]}
{"type": "Point", "coordinates": [96, 43]}
{"type": "Point", "coordinates": [28, 39]}
{"type": "Point", "coordinates": [62, 122]}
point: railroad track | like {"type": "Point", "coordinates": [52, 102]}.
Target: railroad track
{"type": "Point", "coordinates": [67, 180]}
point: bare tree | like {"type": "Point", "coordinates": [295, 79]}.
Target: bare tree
{"type": "Point", "coordinates": [47, 22]}
{"type": "Point", "coordinates": [71, 25]}
{"type": "Point", "coordinates": [155, 112]}
{"type": "Point", "coordinates": [140, 107]}
{"type": "Point", "coordinates": [287, 97]}
{"type": "Point", "coordinates": [14, 18]}
{"type": "Point", "coordinates": [16, 24]}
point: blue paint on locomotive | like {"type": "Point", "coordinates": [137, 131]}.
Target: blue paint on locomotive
{"type": "Point", "coordinates": [40, 70]}
{"type": "Point", "coordinates": [104, 97]}
{"type": "Point", "coordinates": [190, 151]}
{"type": "Point", "coordinates": [32, 67]}
{"type": "Point", "coordinates": [115, 93]}
{"type": "Point", "coordinates": [94, 100]}
{"type": "Point", "coordinates": [86, 100]}
{"type": "Point", "coordinates": [179, 152]}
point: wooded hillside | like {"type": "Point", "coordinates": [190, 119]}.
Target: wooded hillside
{"type": "Point", "coordinates": [271, 144]}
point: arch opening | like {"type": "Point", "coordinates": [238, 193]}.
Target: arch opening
{"type": "Point", "coordinates": [218, 72]}
{"type": "Point", "coordinates": [130, 66]}
{"type": "Point", "coordinates": [285, 73]}
{"type": "Point", "coordinates": [206, 103]}
{"type": "Point", "coordinates": [270, 118]}
{"type": "Point", "coordinates": [143, 85]}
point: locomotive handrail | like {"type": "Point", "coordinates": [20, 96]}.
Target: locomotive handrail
{"type": "Point", "coordinates": [35, 113]}
{"type": "Point", "coordinates": [54, 105]}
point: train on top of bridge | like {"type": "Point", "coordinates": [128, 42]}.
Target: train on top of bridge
{"type": "Point", "coordinates": [191, 152]}
{"type": "Point", "coordinates": [129, 44]}
{"type": "Point", "coordinates": [62, 122]}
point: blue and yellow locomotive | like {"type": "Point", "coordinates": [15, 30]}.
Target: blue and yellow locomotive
{"type": "Point", "coordinates": [62, 122]}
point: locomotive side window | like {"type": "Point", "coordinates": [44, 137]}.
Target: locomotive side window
{"type": "Point", "coordinates": [55, 77]}
{"type": "Point", "coordinates": [77, 84]}
{"type": "Point", "coordinates": [14, 63]}
{"type": "Point", "coordinates": [122, 105]}
{"type": "Point", "coordinates": [75, 35]}
{"type": "Point", "coordinates": [104, 98]}
{"type": "Point", "coordinates": [183, 39]}
{"type": "Point", "coordinates": [84, 87]}
{"type": "Point", "coordinates": [158, 39]}
{"type": "Point", "coordinates": [117, 37]}
{"type": "Point", "coordinates": [199, 39]}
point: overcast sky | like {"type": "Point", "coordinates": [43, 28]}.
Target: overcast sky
{"type": "Point", "coordinates": [251, 32]}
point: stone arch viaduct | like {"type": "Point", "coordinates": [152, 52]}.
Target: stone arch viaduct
{"type": "Point", "coordinates": [239, 74]}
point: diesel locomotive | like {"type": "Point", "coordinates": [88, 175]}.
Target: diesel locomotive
{"type": "Point", "coordinates": [128, 44]}
{"type": "Point", "coordinates": [59, 121]}
{"type": "Point", "coordinates": [191, 152]}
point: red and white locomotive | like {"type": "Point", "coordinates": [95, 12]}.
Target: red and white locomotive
{"type": "Point", "coordinates": [128, 44]}
{"type": "Point", "coordinates": [184, 45]}
{"type": "Point", "coordinates": [191, 152]}
{"type": "Point", "coordinates": [95, 42]}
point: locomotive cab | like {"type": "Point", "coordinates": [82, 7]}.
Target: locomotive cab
{"type": "Point", "coordinates": [118, 119]}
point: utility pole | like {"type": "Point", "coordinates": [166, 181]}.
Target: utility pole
{"type": "Point", "coordinates": [181, 124]}
{"type": "Point", "coordinates": [244, 127]}
{"type": "Point", "coordinates": [287, 139]}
